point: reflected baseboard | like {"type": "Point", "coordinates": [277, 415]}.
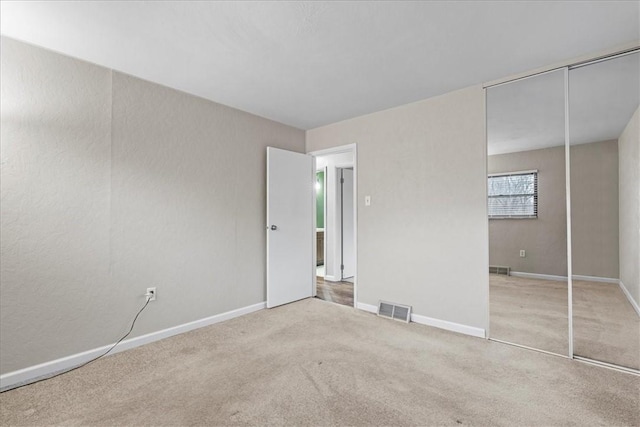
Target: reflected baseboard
{"type": "Point", "coordinates": [596, 279]}
{"type": "Point", "coordinates": [564, 278]}
{"type": "Point", "coordinates": [538, 276]}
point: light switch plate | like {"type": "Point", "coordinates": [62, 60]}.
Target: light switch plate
{"type": "Point", "coordinates": [367, 200]}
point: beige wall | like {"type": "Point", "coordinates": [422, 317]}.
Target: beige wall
{"type": "Point", "coordinates": [544, 239]}
{"type": "Point", "coordinates": [111, 184]}
{"type": "Point", "coordinates": [594, 209]}
{"type": "Point", "coordinates": [629, 176]}
{"type": "Point", "coordinates": [423, 240]}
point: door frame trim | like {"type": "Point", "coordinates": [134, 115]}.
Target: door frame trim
{"type": "Point", "coordinates": [341, 167]}
{"type": "Point", "coordinates": [353, 148]}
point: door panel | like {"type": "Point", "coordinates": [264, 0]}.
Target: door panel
{"type": "Point", "coordinates": [603, 105]}
{"type": "Point", "coordinates": [527, 205]}
{"type": "Point", "coordinates": [290, 226]}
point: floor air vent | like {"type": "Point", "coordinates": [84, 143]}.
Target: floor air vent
{"type": "Point", "coordinates": [394, 311]}
{"type": "Point", "coordinates": [499, 269]}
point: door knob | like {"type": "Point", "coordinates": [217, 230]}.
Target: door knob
{"type": "Point", "coordinates": [274, 227]}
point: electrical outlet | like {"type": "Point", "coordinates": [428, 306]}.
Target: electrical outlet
{"type": "Point", "coordinates": [151, 293]}
{"type": "Point", "coordinates": [522, 253]}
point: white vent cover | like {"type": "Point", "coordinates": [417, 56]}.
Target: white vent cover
{"type": "Point", "coordinates": [499, 269]}
{"type": "Point", "coordinates": [394, 311]}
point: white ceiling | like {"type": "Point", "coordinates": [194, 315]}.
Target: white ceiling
{"type": "Point", "coordinates": [308, 64]}
{"type": "Point", "coordinates": [529, 114]}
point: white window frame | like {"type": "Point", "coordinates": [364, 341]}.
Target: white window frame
{"type": "Point", "coordinates": [535, 194]}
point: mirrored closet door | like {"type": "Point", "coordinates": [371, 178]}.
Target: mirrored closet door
{"type": "Point", "coordinates": [528, 212]}
{"type": "Point", "coordinates": [605, 209]}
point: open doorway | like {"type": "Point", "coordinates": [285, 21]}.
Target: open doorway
{"type": "Point", "coordinates": [336, 225]}
{"type": "Point", "coordinates": [321, 205]}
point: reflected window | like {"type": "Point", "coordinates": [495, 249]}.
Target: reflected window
{"type": "Point", "coordinates": [513, 195]}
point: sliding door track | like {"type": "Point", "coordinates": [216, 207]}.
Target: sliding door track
{"type": "Point", "coordinates": [586, 360]}
{"type": "Point", "coordinates": [608, 365]}
{"type": "Point", "coordinates": [530, 348]}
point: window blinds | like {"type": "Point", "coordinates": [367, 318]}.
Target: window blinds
{"type": "Point", "coordinates": [513, 195]}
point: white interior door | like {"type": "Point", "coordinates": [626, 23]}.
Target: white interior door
{"type": "Point", "coordinates": [348, 231]}
{"type": "Point", "coordinates": [290, 226]}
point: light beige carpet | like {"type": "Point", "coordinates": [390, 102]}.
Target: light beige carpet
{"type": "Point", "coordinates": [318, 363]}
{"type": "Point", "coordinates": [529, 312]}
{"type": "Point", "coordinates": [533, 312]}
{"type": "Point", "coordinates": [605, 325]}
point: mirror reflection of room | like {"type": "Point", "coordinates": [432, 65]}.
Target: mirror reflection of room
{"type": "Point", "coordinates": [527, 213]}
{"type": "Point", "coordinates": [605, 208]}
{"type": "Point", "coordinates": [335, 231]}
{"type": "Point", "coordinates": [320, 203]}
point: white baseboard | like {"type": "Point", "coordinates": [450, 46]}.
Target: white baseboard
{"type": "Point", "coordinates": [429, 321]}
{"type": "Point", "coordinates": [538, 276]}
{"type": "Point", "coordinates": [596, 279]}
{"type": "Point", "coordinates": [367, 307]}
{"type": "Point", "coordinates": [27, 375]}
{"type": "Point", "coordinates": [449, 326]}
{"type": "Point", "coordinates": [633, 302]}
{"type": "Point", "coordinates": [564, 278]}
{"type": "Point", "coordinates": [328, 278]}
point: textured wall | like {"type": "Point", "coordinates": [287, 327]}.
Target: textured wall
{"type": "Point", "coordinates": [57, 297]}
{"type": "Point", "coordinates": [423, 240]}
{"type": "Point", "coordinates": [544, 239]}
{"type": "Point", "coordinates": [629, 182]}
{"type": "Point", "coordinates": [111, 184]}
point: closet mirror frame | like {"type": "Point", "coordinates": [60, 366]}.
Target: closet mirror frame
{"type": "Point", "coordinates": [567, 152]}
{"type": "Point", "coordinates": [577, 88]}
{"type": "Point", "coordinates": [526, 132]}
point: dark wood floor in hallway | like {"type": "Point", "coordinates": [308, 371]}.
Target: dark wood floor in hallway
{"type": "Point", "coordinates": [338, 292]}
